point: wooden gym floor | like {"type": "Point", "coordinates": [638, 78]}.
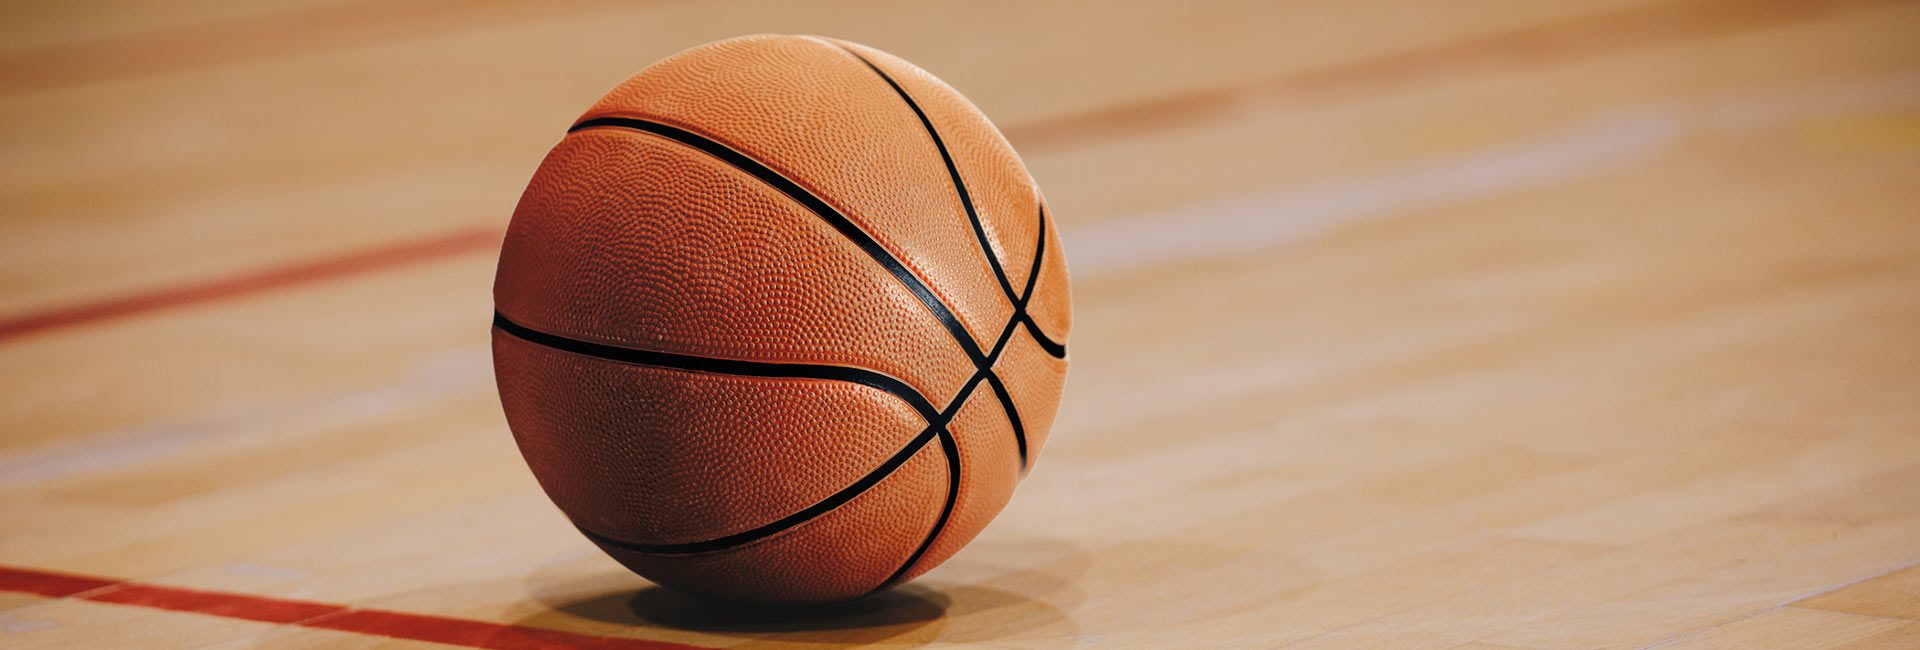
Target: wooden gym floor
{"type": "Point", "coordinates": [1506, 324]}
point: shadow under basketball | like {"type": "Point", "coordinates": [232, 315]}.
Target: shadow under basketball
{"type": "Point", "coordinates": [897, 608]}
{"type": "Point", "coordinates": [907, 610]}
{"type": "Point", "coordinates": [1014, 583]}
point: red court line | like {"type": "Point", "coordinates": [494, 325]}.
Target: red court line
{"type": "Point", "coordinates": [222, 288]}
{"type": "Point", "coordinates": [51, 585]}
{"type": "Point", "coordinates": [342, 618]}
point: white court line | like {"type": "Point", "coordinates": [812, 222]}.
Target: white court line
{"type": "Point", "coordinates": [1239, 226]}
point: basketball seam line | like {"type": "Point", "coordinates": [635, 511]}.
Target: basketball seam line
{"type": "Point", "coordinates": [966, 203]}
{"type": "Point", "coordinates": [815, 204]}
{"type": "Point", "coordinates": [947, 442]}
{"type": "Point", "coordinates": [979, 233]}
{"type": "Point", "coordinates": [1013, 416]}
{"type": "Point", "coordinates": [984, 368]}
{"type": "Point", "coordinates": [953, 172]}
{"type": "Point", "coordinates": [721, 366]}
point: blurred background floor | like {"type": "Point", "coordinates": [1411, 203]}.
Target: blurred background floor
{"type": "Point", "coordinates": [1495, 324]}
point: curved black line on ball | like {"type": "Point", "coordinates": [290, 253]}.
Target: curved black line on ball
{"type": "Point", "coordinates": [1056, 350]}
{"type": "Point", "coordinates": [951, 447]}
{"type": "Point", "coordinates": [1020, 299]}
{"type": "Point", "coordinates": [1013, 416]}
{"type": "Point", "coordinates": [936, 424]}
{"type": "Point", "coordinates": [813, 203]}
{"type": "Point", "coordinates": [983, 373]}
{"type": "Point", "coordinates": [937, 428]}
{"type": "Point", "coordinates": [1039, 255]}
{"type": "Point", "coordinates": [952, 450]}
{"type": "Point", "coordinates": [812, 512]}
{"type": "Point", "coordinates": [953, 172]}
{"type": "Point", "coordinates": [984, 367]}
{"type": "Point", "coordinates": [715, 365]}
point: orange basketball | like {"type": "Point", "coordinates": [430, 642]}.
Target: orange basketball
{"type": "Point", "coordinates": [781, 319]}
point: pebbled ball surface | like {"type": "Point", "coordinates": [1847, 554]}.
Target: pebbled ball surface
{"type": "Point", "coordinates": [726, 391]}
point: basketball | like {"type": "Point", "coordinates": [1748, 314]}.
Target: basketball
{"type": "Point", "coordinates": [781, 319]}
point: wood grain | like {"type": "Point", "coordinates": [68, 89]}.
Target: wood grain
{"type": "Point", "coordinates": [1494, 324]}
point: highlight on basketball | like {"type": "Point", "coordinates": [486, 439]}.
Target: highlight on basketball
{"type": "Point", "coordinates": [1497, 325]}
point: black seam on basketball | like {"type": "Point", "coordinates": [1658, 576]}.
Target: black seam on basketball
{"type": "Point", "coordinates": [819, 207]}
{"type": "Point", "coordinates": [951, 448]}
{"type": "Point", "coordinates": [937, 428]}
{"type": "Point", "coordinates": [1019, 300]}
{"type": "Point", "coordinates": [1047, 343]}
{"type": "Point", "coordinates": [1057, 350]}
{"type": "Point", "coordinates": [953, 172]}
{"type": "Point", "coordinates": [1020, 306]}
{"type": "Point", "coordinates": [981, 374]}
{"type": "Point", "coordinates": [1039, 255]}
{"type": "Point", "coordinates": [826, 505]}
{"type": "Point", "coordinates": [1000, 345]}
{"type": "Point", "coordinates": [1013, 416]}
{"type": "Point", "coordinates": [1052, 349]}
{"type": "Point", "coordinates": [864, 377]}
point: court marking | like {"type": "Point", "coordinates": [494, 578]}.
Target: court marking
{"type": "Point", "coordinates": [309, 614]}
{"type": "Point", "coordinates": [380, 258]}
